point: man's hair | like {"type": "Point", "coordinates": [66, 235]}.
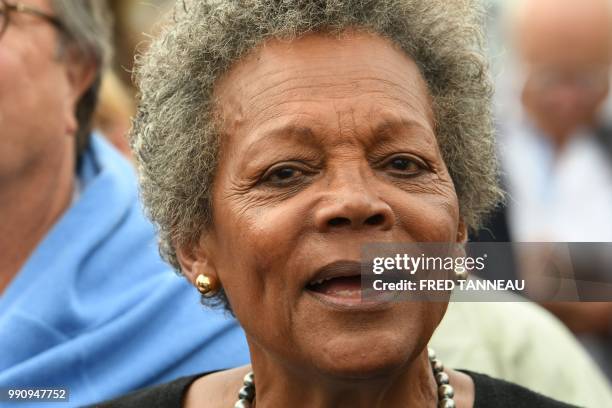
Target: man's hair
{"type": "Point", "coordinates": [175, 136]}
{"type": "Point", "coordinates": [88, 30]}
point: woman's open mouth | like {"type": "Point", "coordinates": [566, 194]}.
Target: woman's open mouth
{"type": "Point", "coordinates": [339, 284]}
{"type": "Point", "coordinates": [347, 287]}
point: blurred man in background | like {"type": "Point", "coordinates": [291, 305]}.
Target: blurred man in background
{"type": "Point", "coordinates": [85, 301]}
{"type": "Point", "coordinates": [556, 148]}
{"type": "Point", "coordinates": [557, 153]}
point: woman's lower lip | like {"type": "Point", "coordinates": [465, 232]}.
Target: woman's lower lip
{"type": "Point", "coordinates": [352, 301]}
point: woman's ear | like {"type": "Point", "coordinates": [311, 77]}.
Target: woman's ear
{"type": "Point", "coordinates": [195, 261]}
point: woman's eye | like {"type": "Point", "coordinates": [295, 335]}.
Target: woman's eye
{"type": "Point", "coordinates": [282, 175]}
{"type": "Point", "coordinates": [405, 166]}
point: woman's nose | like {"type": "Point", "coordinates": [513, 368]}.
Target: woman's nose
{"type": "Point", "coordinates": [353, 206]}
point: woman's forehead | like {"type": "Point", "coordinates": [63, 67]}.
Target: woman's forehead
{"type": "Point", "coordinates": [320, 79]}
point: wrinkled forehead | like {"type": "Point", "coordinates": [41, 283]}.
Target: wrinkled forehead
{"type": "Point", "coordinates": [356, 71]}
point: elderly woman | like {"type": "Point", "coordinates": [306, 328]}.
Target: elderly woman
{"type": "Point", "coordinates": [274, 138]}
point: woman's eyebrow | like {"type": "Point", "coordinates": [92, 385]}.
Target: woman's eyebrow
{"type": "Point", "coordinates": [286, 133]}
{"type": "Point", "coordinates": [399, 130]}
{"type": "Point", "coordinates": [390, 126]}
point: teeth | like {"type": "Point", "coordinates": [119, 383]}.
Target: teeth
{"type": "Point", "coordinates": [320, 281]}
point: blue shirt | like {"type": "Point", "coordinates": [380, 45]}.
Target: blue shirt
{"type": "Point", "coordinates": [95, 310]}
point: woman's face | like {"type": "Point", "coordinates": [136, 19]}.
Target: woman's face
{"type": "Point", "coordinates": [328, 144]}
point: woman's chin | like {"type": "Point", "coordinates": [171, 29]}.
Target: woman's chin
{"type": "Point", "coordinates": [364, 357]}
{"type": "Point", "coordinates": [362, 343]}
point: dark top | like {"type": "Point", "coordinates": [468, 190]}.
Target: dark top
{"type": "Point", "coordinates": [490, 393]}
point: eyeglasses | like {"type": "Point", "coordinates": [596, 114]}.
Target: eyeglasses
{"type": "Point", "coordinates": [7, 9]}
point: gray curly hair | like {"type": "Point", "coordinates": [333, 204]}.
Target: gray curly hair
{"type": "Point", "coordinates": [175, 136]}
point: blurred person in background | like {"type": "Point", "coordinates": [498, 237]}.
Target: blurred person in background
{"type": "Point", "coordinates": [556, 143]}
{"type": "Point", "coordinates": [557, 155]}
{"type": "Point", "coordinates": [85, 301]}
